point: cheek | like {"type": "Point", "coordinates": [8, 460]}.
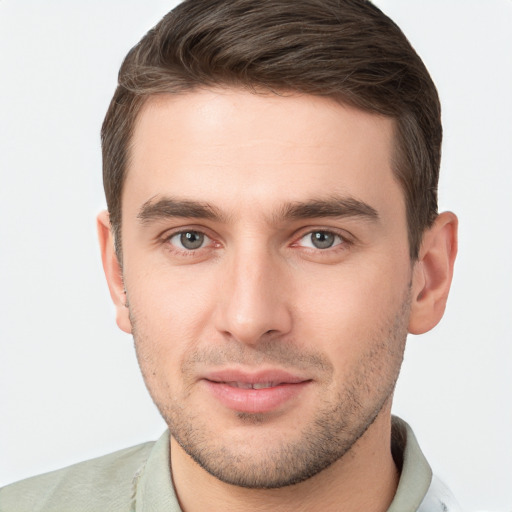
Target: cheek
{"type": "Point", "coordinates": [169, 315]}
{"type": "Point", "coordinates": [169, 302]}
{"type": "Point", "coordinates": [350, 307]}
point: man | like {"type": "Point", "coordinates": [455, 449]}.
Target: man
{"type": "Point", "coordinates": [272, 236]}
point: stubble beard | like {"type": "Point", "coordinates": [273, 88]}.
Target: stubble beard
{"type": "Point", "coordinates": [336, 427]}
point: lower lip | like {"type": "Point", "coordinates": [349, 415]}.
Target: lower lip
{"type": "Point", "coordinates": [255, 400]}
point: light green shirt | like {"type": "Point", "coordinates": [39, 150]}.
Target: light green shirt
{"type": "Point", "coordinates": [138, 479]}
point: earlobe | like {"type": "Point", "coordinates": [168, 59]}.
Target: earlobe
{"type": "Point", "coordinates": [113, 272]}
{"type": "Point", "coordinates": [433, 272]}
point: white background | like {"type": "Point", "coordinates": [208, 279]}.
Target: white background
{"type": "Point", "coordinates": [69, 384]}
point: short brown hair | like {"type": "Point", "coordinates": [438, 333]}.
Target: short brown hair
{"type": "Point", "coordinates": [342, 49]}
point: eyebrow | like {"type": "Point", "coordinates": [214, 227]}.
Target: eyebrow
{"type": "Point", "coordinates": [331, 207]}
{"type": "Point", "coordinates": [168, 207]}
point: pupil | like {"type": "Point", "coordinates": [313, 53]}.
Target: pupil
{"type": "Point", "coordinates": [191, 239]}
{"type": "Point", "coordinates": [322, 239]}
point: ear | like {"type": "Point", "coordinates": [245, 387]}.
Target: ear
{"type": "Point", "coordinates": [113, 272]}
{"type": "Point", "coordinates": [432, 275]}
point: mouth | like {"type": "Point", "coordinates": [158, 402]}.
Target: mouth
{"type": "Point", "coordinates": [260, 392]}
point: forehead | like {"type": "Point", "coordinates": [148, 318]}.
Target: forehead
{"type": "Point", "coordinates": [227, 145]}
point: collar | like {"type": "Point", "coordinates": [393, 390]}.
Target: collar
{"type": "Point", "coordinates": [415, 472]}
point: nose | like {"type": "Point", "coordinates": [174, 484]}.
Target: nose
{"type": "Point", "coordinates": [253, 301]}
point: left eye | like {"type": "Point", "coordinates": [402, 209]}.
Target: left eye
{"type": "Point", "coordinates": [321, 240]}
{"type": "Point", "coordinates": [189, 240]}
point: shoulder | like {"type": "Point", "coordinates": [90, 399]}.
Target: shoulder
{"type": "Point", "coordinates": [104, 483]}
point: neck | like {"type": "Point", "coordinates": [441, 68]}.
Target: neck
{"type": "Point", "coordinates": [365, 478]}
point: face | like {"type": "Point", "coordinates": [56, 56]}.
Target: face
{"type": "Point", "coordinates": [267, 276]}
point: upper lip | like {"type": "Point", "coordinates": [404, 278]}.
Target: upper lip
{"type": "Point", "coordinates": [274, 376]}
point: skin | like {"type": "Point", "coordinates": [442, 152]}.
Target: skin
{"type": "Point", "coordinates": [256, 176]}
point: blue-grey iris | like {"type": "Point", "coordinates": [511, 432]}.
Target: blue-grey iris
{"type": "Point", "coordinates": [322, 239]}
{"type": "Point", "coordinates": [191, 239]}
